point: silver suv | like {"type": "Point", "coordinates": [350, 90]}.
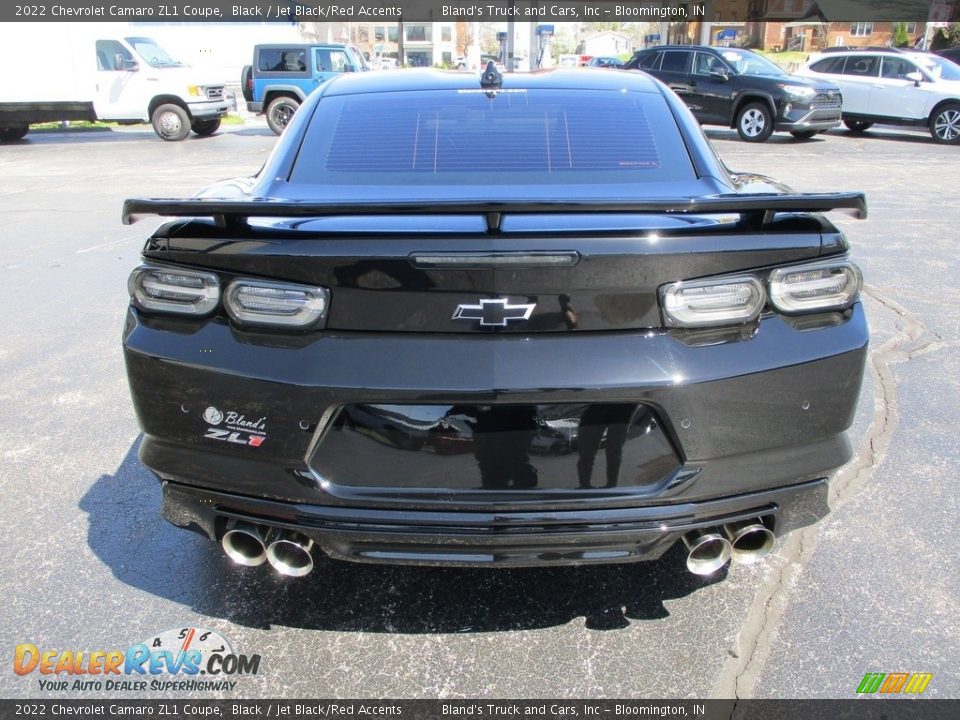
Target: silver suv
{"type": "Point", "coordinates": [894, 87]}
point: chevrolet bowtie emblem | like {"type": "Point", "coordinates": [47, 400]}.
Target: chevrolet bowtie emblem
{"type": "Point", "coordinates": [494, 313]}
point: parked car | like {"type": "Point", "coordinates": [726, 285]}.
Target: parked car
{"type": "Point", "coordinates": [605, 61]}
{"type": "Point", "coordinates": [282, 76]}
{"type": "Point", "coordinates": [952, 54]}
{"type": "Point", "coordinates": [742, 89]}
{"type": "Point", "coordinates": [894, 87]}
{"type": "Point", "coordinates": [426, 254]}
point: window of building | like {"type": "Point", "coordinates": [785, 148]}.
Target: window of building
{"type": "Point", "coordinates": [392, 34]}
{"type": "Point", "coordinates": [418, 33]}
{"type": "Point", "coordinates": [861, 29]}
{"type": "Point", "coordinates": [446, 58]}
{"type": "Point", "coordinates": [419, 58]}
{"type": "Point", "coordinates": [378, 34]}
{"type": "Point", "coordinates": [911, 28]}
{"type": "Point", "coordinates": [446, 34]}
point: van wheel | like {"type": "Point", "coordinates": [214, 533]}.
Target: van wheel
{"type": "Point", "coordinates": [857, 126]}
{"type": "Point", "coordinates": [279, 113]}
{"type": "Point", "coordinates": [206, 127]}
{"type": "Point", "coordinates": [754, 122]}
{"type": "Point", "coordinates": [12, 133]}
{"type": "Point", "coordinates": [171, 122]}
{"type": "Point", "coordinates": [803, 134]}
{"type": "Point", "coordinates": [945, 124]}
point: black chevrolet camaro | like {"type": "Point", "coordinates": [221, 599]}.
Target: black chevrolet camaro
{"type": "Point", "coordinates": [511, 320]}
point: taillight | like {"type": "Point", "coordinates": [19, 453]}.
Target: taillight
{"type": "Point", "coordinates": [706, 303]}
{"type": "Point", "coordinates": [178, 291]}
{"type": "Point", "coordinates": [812, 287]}
{"type": "Point", "coordinates": [266, 303]}
{"type": "Point", "coordinates": [827, 285]}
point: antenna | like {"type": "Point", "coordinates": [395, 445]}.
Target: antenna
{"type": "Point", "coordinates": [491, 78]}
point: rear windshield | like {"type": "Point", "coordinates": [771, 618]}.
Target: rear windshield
{"type": "Point", "coordinates": [463, 137]}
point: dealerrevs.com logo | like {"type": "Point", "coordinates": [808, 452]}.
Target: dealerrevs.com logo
{"type": "Point", "coordinates": [182, 659]}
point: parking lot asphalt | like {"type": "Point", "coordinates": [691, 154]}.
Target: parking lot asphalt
{"type": "Point", "coordinates": [90, 565]}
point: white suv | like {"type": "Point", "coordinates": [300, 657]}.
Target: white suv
{"type": "Point", "coordinates": [894, 87]}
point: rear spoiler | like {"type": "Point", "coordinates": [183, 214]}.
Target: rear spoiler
{"type": "Point", "coordinates": [763, 206]}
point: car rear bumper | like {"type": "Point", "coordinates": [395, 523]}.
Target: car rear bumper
{"type": "Point", "coordinates": [514, 538]}
{"type": "Point", "coordinates": [243, 425]}
{"type": "Point", "coordinates": [255, 107]}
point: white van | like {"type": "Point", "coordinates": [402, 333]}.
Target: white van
{"type": "Point", "coordinates": [88, 71]}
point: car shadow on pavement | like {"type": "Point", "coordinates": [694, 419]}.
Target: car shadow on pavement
{"type": "Point", "coordinates": [254, 132]}
{"type": "Point", "coordinates": [108, 135]}
{"type": "Point", "coordinates": [144, 551]}
{"type": "Point", "coordinates": [775, 139]}
{"type": "Point", "coordinates": [81, 137]}
{"type": "Point", "coordinates": [890, 134]}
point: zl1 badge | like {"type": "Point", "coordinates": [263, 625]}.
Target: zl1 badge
{"type": "Point", "coordinates": [237, 429]}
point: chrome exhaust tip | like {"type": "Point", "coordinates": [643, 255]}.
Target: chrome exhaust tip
{"type": "Point", "coordinates": [290, 553]}
{"type": "Point", "coordinates": [750, 540]}
{"type": "Point", "coordinates": [243, 543]}
{"type": "Point", "coordinates": [708, 551]}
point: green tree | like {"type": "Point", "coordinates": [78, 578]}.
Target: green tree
{"type": "Point", "coordinates": [900, 36]}
{"type": "Point", "coordinates": [563, 45]}
{"type": "Point", "coordinates": [952, 33]}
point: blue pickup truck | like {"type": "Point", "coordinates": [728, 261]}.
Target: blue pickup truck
{"type": "Point", "coordinates": [282, 76]}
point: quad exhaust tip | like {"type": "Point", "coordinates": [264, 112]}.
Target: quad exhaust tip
{"type": "Point", "coordinates": [749, 540]}
{"type": "Point", "coordinates": [708, 551]}
{"type": "Point", "coordinates": [243, 543]}
{"type": "Point", "coordinates": [290, 553]}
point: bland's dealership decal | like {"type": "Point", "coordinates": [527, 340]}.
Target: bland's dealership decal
{"type": "Point", "coordinates": [172, 660]}
{"type": "Point", "coordinates": [237, 428]}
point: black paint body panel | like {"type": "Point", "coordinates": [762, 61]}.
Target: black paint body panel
{"type": "Point", "coordinates": [590, 432]}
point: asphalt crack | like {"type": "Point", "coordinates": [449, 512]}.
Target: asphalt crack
{"type": "Point", "coordinates": [745, 662]}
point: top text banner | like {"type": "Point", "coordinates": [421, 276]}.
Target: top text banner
{"type": "Point", "coordinates": [453, 10]}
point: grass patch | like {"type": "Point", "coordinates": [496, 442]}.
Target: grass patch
{"type": "Point", "coordinates": [87, 126]}
{"type": "Point", "coordinates": [73, 125]}
{"type": "Point", "coordinates": [788, 59]}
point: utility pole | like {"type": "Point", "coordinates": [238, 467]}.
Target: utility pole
{"type": "Point", "coordinates": [400, 58]}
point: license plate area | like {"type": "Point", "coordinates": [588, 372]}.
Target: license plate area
{"type": "Point", "coordinates": [522, 448]}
